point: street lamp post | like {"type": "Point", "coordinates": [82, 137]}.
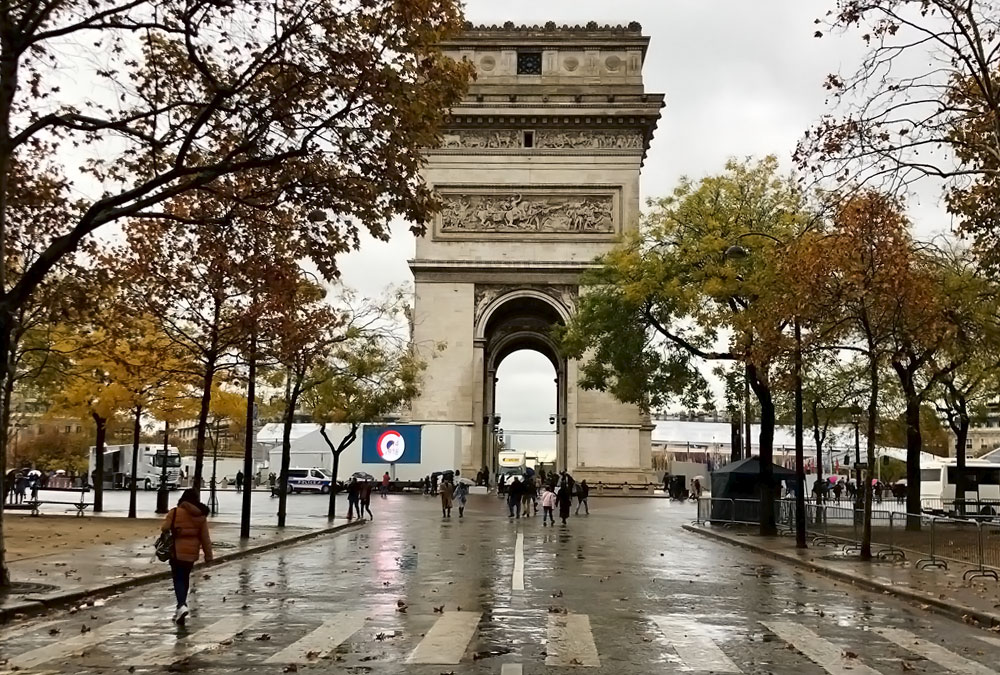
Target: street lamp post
{"type": "Point", "coordinates": [856, 418]}
{"type": "Point", "coordinates": [800, 474]}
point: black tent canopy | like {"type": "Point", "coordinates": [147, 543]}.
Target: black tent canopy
{"type": "Point", "coordinates": [741, 481]}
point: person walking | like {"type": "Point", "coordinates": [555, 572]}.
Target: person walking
{"type": "Point", "coordinates": [385, 485]}
{"type": "Point", "coordinates": [461, 496]}
{"type": "Point", "coordinates": [21, 487]}
{"type": "Point", "coordinates": [188, 521]}
{"type": "Point", "coordinates": [353, 498]}
{"type": "Point", "coordinates": [514, 497]}
{"type": "Point", "coordinates": [365, 495]}
{"type": "Point", "coordinates": [548, 505]}
{"type": "Point", "coordinates": [565, 500]}
{"type": "Point", "coordinates": [447, 491]}
{"type": "Point", "coordinates": [271, 481]}
{"type": "Point", "coordinates": [527, 495]}
{"type": "Point", "coordinates": [10, 485]}
{"type": "Point", "coordinates": [239, 481]}
{"type": "Point", "coordinates": [34, 482]}
{"type": "Point", "coordinates": [582, 492]}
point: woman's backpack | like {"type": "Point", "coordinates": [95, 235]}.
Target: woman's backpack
{"type": "Point", "coordinates": [165, 542]}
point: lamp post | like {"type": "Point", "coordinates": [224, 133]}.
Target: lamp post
{"type": "Point", "coordinates": [856, 419]}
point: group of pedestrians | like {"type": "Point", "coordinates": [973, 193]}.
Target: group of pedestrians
{"type": "Point", "coordinates": [453, 490]}
{"type": "Point", "coordinates": [359, 498]}
{"type": "Point", "coordinates": [19, 484]}
{"type": "Point", "coordinates": [557, 492]}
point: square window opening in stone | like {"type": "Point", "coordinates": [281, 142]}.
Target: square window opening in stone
{"type": "Point", "coordinates": [529, 63]}
{"type": "Point", "coordinates": [529, 139]}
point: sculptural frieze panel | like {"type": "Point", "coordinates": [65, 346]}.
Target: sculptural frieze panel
{"type": "Point", "coordinates": [499, 139]}
{"type": "Point", "coordinates": [528, 213]}
{"type": "Point", "coordinates": [602, 139]}
{"type": "Point", "coordinates": [485, 294]}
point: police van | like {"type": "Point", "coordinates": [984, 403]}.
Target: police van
{"type": "Point", "coordinates": [311, 479]}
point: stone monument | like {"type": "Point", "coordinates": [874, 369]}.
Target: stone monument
{"type": "Point", "coordinates": [538, 174]}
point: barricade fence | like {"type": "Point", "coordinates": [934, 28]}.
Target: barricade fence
{"type": "Point", "coordinates": [938, 542]}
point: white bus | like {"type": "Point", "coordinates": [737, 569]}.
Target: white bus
{"type": "Point", "coordinates": [938, 483]}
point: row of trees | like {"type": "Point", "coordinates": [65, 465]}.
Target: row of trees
{"type": "Point", "coordinates": [726, 269]}
{"type": "Point", "coordinates": [155, 222]}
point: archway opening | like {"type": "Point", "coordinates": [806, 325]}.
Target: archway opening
{"type": "Point", "coordinates": [527, 404]}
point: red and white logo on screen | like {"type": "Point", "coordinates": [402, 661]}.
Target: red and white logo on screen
{"type": "Point", "coordinates": [391, 446]}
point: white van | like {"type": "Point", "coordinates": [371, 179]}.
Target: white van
{"type": "Point", "coordinates": [310, 479]}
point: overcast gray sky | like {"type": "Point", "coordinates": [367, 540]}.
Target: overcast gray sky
{"type": "Point", "coordinates": [742, 78]}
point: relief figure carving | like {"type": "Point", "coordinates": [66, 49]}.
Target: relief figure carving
{"type": "Point", "coordinates": [528, 213]}
{"type": "Point", "coordinates": [590, 139]}
{"type": "Point", "coordinates": [481, 138]}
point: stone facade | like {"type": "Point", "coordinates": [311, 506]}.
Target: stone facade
{"type": "Point", "coordinates": [538, 172]}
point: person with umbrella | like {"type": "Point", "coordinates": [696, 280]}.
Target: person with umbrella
{"type": "Point", "coordinates": [565, 500]}
{"type": "Point", "coordinates": [461, 494]}
{"type": "Point", "coordinates": [353, 498]}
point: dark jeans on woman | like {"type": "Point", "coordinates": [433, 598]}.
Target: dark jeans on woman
{"type": "Point", "coordinates": [180, 570]}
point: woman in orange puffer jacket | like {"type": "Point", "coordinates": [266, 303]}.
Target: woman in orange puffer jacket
{"type": "Point", "coordinates": [189, 523]}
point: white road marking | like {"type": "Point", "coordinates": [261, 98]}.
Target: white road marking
{"type": "Point", "coordinates": [511, 669]}
{"type": "Point", "coordinates": [447, 640]}
{"type": "Point", "coordinates": [321, 641]}
{"type": "Point", "coordinates": [72, 646]}
{"type": "Point", "coordinates": [517, 582]}
{"type": "Point", "coordinates": [825, 654]}
{"type": "Point", "coordinates": [933, 652]}
{"type": "Point", "coordinates": [691, 641]}
{"type": "Point", "coordinates": [208, 638]}
{"type": "Point", "coordinates": [989, 639]}
{"type": "Point", "coordinates": [11, 633]}
{"type": "Point", "coordinates": [571, 642]}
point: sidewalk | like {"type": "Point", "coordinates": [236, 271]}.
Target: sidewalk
{"type": "Point", "coordinates": [942, 591]}
{"type": "Point", "coordinates": [103, 570]}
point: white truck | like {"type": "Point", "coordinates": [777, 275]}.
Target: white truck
{"type": "Point", "coordinates": [511, 464]}
{"type": "Point", "coordinates": [118, 466]}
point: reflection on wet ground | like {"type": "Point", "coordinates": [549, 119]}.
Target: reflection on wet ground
{"type": "Point", "coordinates": [623, 590]}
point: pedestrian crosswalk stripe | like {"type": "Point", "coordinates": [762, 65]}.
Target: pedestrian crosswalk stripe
{"type": "Point", "coordinates": [446, 641]}
{"type": "Point", "coordinates": [210, 637]}
{"type": "Point", "coordinates": [321, 641]}
{"type": "Point", "coordinates": [11, 633]}
{"type": "Point", "coordinates": [825, 654]}
{"type": "Point", "coordinates": [989, 639]}
{"type": "Point", "coordinates": [956, 663]}
{"type": "Point", "coordinates": [511, 669]}
{"type": "Point", "coordinates": [571, 642]}
{"type": "Point", "coordinates": [695, 648]}
{"type": "Point", "coordinates": [518, 578]}
{"type": "Point", "coordinates": [71, 646]}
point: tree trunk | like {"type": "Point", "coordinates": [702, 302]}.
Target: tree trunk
{"type": "Point", "coordinates": [8, 385]}
{"type": "Point", "coordinates": [914, 443]}
{"type": "Point", "coordinates": [98, 477]}
{"type": "Point", "coordinates": [136, 433]}
{"type": "Point", "coordinates": [344, 444]}
{"type": "Point", "coordinates": [286, 444]}
{"type": "Point", "coordinates": [961, 438]}
{"type": "Point", "coordinates": [203, 413]}
{"type": "Point", "coordinates": [249, 433]}
{"type": "Point", "coordinates": [866, 532]}
{"type": "Point", "coordinates": [768, 524]}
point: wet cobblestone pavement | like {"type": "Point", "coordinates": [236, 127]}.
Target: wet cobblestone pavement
{"type": "Point", "coordinates": [624, 590]}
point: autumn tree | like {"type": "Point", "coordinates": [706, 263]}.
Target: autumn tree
{"type": "Point", "coordinates": [857, 275]}
{"type": "Point", "coordinates": [307, 331]}
{"type": "Point", "coordinates": [332, 100]}
{"type": "Point", "coordinates": [672, 297]}
{"type": "Point", "coordinates": [363, 379]}
{"type": "Point", "coordinates": [923, 103]}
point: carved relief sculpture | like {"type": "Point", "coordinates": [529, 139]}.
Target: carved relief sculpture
{"type": "Point", "coordinates": [591, 214]}
{"type": "Point", "coordinates": [589, 140]}
{"type": "Point", "coordinates": [482, 138]}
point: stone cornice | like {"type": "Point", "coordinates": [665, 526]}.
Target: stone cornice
{"type": "Point", "coordinates": [496, 266]}
{"type": "Point", "coordinates": [550, 35]}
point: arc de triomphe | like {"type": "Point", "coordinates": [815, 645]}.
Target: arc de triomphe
{"type": "Point", "coordinates": [539, 174]}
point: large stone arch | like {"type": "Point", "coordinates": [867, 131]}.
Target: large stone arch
{"type": "Point", "coordinates": [516, 320]}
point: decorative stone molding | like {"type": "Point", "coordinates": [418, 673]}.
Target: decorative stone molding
{"type": "Point", "coordinates": [528, 213]}
{"type": "Point", "coordinates": [486, 294]}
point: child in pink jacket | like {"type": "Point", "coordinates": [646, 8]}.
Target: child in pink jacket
{"type": "Point", "coordinates": [548, 504]}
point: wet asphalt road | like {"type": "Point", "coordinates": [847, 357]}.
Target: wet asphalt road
{"type": "Point", "coordinates": [624, 590]}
